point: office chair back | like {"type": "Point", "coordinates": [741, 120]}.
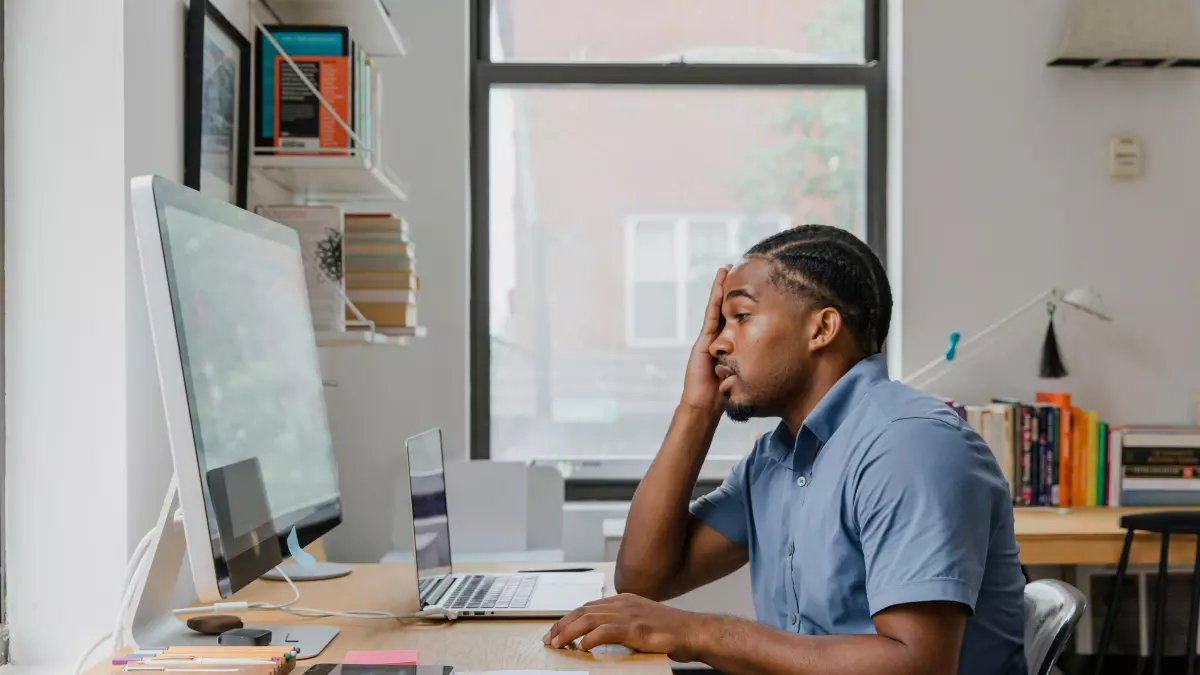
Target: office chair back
{"type": "Point", "coordinates": [1052, 609]}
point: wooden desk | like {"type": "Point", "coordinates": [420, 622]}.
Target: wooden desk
{"type": "Point", "coordinates": [479, 644]}
{"type": "Point", "coordinates": [1090, 536]}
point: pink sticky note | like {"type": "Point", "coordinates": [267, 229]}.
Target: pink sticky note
{"type": "Point", "coordinates": [394, 657]}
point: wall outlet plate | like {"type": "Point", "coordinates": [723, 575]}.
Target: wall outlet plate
{"type": "Point", "coordinates": [1125, 157]}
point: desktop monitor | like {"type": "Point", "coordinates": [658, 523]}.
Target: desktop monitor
{"type": "Point", "coordinates": [241, 382]}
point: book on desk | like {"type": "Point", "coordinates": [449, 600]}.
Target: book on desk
{"type": "Point", "coordinates": [1054, 453]}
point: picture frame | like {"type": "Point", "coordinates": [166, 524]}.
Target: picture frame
{"type": "Point", "coordinates": [216, 100]}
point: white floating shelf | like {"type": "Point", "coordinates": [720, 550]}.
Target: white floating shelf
{"type": "Point", "coordinates": [396, 337]}
{"type": "Point", "coordinates": [370, 26]}
{"type": "Point", "coordinates": [330, 179]}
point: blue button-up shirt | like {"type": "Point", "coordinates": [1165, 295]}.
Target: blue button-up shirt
{"type": "Point", "coordinates": [885, 497]}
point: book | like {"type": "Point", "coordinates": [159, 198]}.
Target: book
{"type": "Point", "coordinates": [1154, 466]}
{"type": "Point", "coordinates": [400, 280]}
{"type": "Point", "coordinates": [296, 41]}
{"type": "Point", "coordinates": [387, 314]}
{"type": "Point", "coordinates": [302, 122]}
{"type": "Point", "coordinates": [993, 424]}
{"type": "Point", "coordinates": [1056, 454]}
{"type": "Point", "coordinates": [1028, 475]}
{"type": "Point", "coordinates": [358, 297]}
{"type": "Point", "coordinates": [1102, 463]}
{"type": "Point", "coordinates": [1065, 442]}
{"type": "Point", "coordinates": [362, 224]}
{"type": "Point", "coordinates": [319, 229]}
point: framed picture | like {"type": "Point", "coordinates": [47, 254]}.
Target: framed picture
{"type": "Point", "coordinates": [216, 102]}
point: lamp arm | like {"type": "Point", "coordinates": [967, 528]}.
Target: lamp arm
{"type": "Point", "coordinates": [1052, 294]}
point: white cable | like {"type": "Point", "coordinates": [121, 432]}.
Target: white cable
{"type": "Point", "coordinates": [132, 568]}
{"type": "Point", "coordinates": [83, 658]}
{"type": "Point", "coordinates": [243, 606]}
{"type": "Point", "coordinates": [133, 576]}
{"type": "Point", "coordinates": [310, 613]}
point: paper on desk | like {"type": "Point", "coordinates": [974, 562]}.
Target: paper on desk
{"type": "Point", "coordinates": [522, 672]}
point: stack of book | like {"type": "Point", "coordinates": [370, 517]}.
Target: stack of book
{"type": "Point", "coordinates": [288, 115]}
{"type": "Point", "coordinates": [1051, 452]}
{"type": "Point", "coordinates": [381, 276]}
{"type": "Point", "coordinates": [1055, 454]}
{"type": "Point", "coordinates": [1156, 466]}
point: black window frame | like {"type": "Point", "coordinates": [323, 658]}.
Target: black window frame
{"type": "Point", "coordinates": [871, 76]}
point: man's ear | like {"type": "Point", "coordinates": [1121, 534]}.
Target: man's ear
{"type": "Point", "coordinates": [825, 326]}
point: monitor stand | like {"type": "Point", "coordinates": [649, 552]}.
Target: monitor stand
{"type": "Point", "coordinates": [154, 625]}
{"type": "Point", "coordinates": [318, 571]}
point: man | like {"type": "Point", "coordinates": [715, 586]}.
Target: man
{"type": "Point", "coordinates": [877, 524]}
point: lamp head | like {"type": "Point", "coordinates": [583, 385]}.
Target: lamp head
{"type": "Point", "coordinates": [1088, 301]}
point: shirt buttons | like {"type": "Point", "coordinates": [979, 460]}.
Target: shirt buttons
{"type": "Point", "coordinates": [801, 481]}
{"type": "Point", "coordinates": [791, 548]}
{"type": "Point", "coordinates": [792, 619]}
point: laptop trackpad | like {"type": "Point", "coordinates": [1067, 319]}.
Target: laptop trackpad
{"type": "Point", "coordinates": [567, 591]}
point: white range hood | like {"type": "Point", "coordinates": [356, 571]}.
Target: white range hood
{"type": "Point", "coordinates": [1130, 34]}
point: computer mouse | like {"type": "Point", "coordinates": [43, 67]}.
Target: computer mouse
{"type": "Point", "coordinates": [611, 650]}
{"type": "Point", "coordinates": [605, 650]}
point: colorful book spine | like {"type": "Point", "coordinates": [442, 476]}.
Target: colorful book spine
{"type": "Point", "coordinates": [302, 122]}
{"type": "Point", "coordinates": [296, 41]}
{"type": "Point", "coordinates": [1102, 462]}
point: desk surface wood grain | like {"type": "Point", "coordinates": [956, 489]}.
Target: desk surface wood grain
{"type": "Point", "coordinates": [1090, 536]}
{"type": "Point", "coordinates": [468, 645]}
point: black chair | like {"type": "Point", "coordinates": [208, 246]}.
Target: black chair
{"type": "Point", "coordinates": [1165, 523]}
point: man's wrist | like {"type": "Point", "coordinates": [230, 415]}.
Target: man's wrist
{"type": "Point", "coordinates": [704, 634]}
{"type": "Point", "coordinates": [692, 413]}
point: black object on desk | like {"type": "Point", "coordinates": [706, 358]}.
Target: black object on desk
{"type": "Point", "coordinates": [1165, 523]}
{"type": "Point", "coordinates": [245, 637]}
{"type": "Point", "coordinates": [563, 569]}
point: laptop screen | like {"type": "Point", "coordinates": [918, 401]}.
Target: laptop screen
{"type": "Point", "coordinates": [431, 517]}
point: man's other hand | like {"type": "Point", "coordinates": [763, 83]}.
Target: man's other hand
{"type": "Point", "coordinates": [632, 621]}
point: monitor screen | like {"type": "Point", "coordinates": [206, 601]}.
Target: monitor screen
{"type": "Point", "coordinates": [431, 515]}
{"type": "Point", "coordinates": [252, 378]}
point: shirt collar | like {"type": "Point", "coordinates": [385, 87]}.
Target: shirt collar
{"type": "Point", "coordinates": [834, 407]}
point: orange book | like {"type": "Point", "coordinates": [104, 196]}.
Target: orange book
{"type": "Point", "coordinates": [1066, 474]}
{"type": "Point", "coordinates": [301, 121]}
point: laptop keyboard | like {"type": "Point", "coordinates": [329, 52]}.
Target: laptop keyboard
{"type": "Point", "coordinates": [481, 591]}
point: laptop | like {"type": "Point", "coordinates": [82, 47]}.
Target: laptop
{"type": "Point", "coordinates": [544, 595]}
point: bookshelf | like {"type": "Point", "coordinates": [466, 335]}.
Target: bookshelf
{"type": "Point", "coordinates": [368, 20]}
{"type": "Point", "coordinates": [341, 176]}
{"type": "Point", "coordinates": [317, 179]}
{"type": "Point", "coordinates": [394, 337]}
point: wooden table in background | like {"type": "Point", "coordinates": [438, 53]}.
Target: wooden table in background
{"type": "Point", "coordinates": [468, 645]}
{"type": "Point", "coordinates": [1090, 536]}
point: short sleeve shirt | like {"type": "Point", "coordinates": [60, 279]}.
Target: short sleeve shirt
{"type": "Point", "coordinates": [885, 497]}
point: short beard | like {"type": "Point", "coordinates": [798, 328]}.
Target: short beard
{"type": "Point", "coordinates": [740, 413]}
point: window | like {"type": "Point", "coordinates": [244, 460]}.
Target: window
{"type": "Point", "coordinates": [621, 152]}
{"type": "Point", "coordinates": [669, 265]}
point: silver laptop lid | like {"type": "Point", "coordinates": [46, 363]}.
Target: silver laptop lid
{"type": "Point", "coordinates": [430, 513]}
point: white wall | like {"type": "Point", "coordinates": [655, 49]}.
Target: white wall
{"type": "Point", "coordinates": [1006, 193]}
{"type": "Point", "coordinates": [154, 144]}
{"type": "Point", "coordinates": [86, 445]}
{"type": "Point", "coordinates": [65, 320]}
{"type": "Point", "coordinates": [387, 394]}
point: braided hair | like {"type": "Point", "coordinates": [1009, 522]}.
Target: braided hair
{"type": "Point", "coordinates": [837, 269]}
